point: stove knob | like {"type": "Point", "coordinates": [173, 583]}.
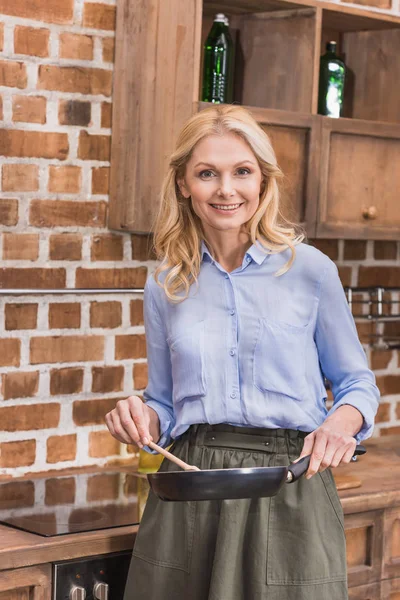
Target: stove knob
{"type": "Point", "coordinates": [77, 593]}
{"type": "Point", "coordinates": [100, 591]}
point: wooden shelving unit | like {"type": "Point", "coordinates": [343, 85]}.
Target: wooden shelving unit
{"type": "Point", "coordinates": [341, 176]}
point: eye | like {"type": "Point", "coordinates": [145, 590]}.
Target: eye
{"type": "Point", "coordinates": [244, 169]}
{"type": "Point", "coordinates": [202, 173]}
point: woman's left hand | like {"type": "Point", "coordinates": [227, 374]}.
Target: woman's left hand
{"type": "Point", "coordinates": [332, 443]}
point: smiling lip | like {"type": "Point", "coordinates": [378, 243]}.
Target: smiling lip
{"type": "Point", "coordinates": [226, 208]}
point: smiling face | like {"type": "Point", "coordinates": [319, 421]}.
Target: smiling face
{"type": "Point", "coordinates": [223, 179]}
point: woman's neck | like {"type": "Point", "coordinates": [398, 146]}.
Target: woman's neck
{"type": "Point", "coordinates": [229, 251]}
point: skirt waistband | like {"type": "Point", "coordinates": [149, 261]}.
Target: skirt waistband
{"type": "Point", "coordinates": [245, 438]}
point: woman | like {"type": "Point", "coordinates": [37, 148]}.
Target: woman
{"type": "Point", "coordinates": [242, 322]}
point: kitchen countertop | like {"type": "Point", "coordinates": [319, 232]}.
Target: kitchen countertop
{"type": "Point", "coordinates": [378, 470]}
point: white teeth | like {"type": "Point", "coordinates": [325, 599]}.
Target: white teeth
{"type": "Point", "coordinates": [224, 207]}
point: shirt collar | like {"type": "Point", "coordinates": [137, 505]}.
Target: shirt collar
{"type": "Point", "coordinates": [256, 253]}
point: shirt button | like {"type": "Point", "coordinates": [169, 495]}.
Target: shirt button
{"type": "Point", "coordinates": [226, 276]}
{"type": "Point", "coordinates": [232, 312]}
{"type": "Point", "coordinates": [233, 395]}
{"type": "Point", "coordinates": [248, 259]}
{"type": "Point", "coordinates": [232, 352]}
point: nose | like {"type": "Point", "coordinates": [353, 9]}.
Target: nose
{"type": "Point", "coordinates": [226, 188]}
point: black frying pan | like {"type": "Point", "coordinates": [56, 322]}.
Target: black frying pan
{"type": "Point", "coordinates": [221, 484]}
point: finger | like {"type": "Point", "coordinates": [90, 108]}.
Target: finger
{"type": "Point", "coordinates": [119, 431]}
{"type": "Point", "coordinates": [307, 446]}
{"type": "Point", "coordinates": [141, 420]}
{"type": "Point", "coordinates": [334, 449]}
{"type": "Point", "coordinates": [317, 454]}
{"type": "Point", "coordinates": [127, 422]}
{"type": "Point", "coordinates": [348, 454]}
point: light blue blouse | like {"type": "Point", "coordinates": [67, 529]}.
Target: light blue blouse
{"type": "Point", "coordinates": [248, 348]}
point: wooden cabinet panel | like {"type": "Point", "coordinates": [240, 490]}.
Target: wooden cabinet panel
{"type": "Point", "coordinates": [31, 583]}
{"type": "Point", "coordinates": [359, 180]}
{"type": "Point", "coordinates": [364, 540]}
{"type": "Point", "coordinates": [372, 591]}
{"type": "Point", "coordinates": [391, 549]}
{"type": "Point", "coordinates": [157, 59]}
{"type": "Point", "coordinates": [391, 589]}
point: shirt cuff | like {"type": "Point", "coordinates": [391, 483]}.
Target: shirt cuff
{"type": "Point", "coordinates": [166, 425]}
{"type": "Point", "coordinates": [367, 412]}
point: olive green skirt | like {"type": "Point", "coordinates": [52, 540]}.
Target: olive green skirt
{"type": "Point", "coordinates": [288, 547]}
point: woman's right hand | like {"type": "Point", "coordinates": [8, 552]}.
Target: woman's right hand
{"type": "Point", "coordinates": [130, 421]}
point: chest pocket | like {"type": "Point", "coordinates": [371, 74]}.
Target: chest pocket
{"type": "Point", "coordinates": [279, 362]}
{"type": "Point", "coordinates": [187, 361]}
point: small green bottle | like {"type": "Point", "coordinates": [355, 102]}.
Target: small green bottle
{"type": "Point", "coordinates": [218, 63]}
{"type": "Point", "coordinates": [332, 74]}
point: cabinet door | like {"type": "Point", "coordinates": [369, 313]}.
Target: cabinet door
{"type": "Point", "coordinates": [391, 555]}
{"type": "Point", "coordinates": [156, 80]}
{"type": "Point", "coordinates": [364, 540]}
{"type": "Point", "coordinates": [359, 180]}
{"type": "Point", "coordinates": [31, 583]}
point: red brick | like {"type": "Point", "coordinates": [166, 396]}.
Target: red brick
{"type": "Point", "coordinates": [130, 346]}
{"type": "Point", "coordinates": [66, 381]}
{"type": "Point", "coordinates": [385, 250]}
{"type": "Point", "coordinates": [59, 490]}
{"type": "Point", "coordinates": [345, 275]}
{"type": "Point", "coordinates": [1, 107]}
{"type": "Point", "coordinates": [327, 246]}
{"type": "Point", "coordinates": [53, 213]}
{"type": "Point", "coordinates": [29, 417]}
{"type": "Point", "coordinates": [108, 49]}
{"type": "Point", "coordinates": [8, 211]}
{"type": "Point", "coordinates": [101, 180]}
{"type": "Point", "coordinates": [17, 454]}
{"type": "Point", "coordinates": [61, 448]}
{"type": "Point", "coordinates": [106, 114]}
{"type": "Point", "coordinates": [105, 314]}
{"type": "Point", "coordinates": [82, 80]}
{"type": "Point", "coordinates": [20, 246]}
{"type": "Point", "coordinates": [102, 487]}
{"type": "Point", "coordinates": [108, 379]}
{"type": "Point", "coordinates": [49, 11]}
{"type": "Point", "coordinates": [140, 376]}
{"type": "Point", "coordinates": [19, 178]}
{"type": "Point", "coordinates": [20, 385]}
{"type": "Point", "coordinates": [383, 276]}
{"type": "Point", "coordinates": [380, 359]}
{"type": "Point", "coordinates": [94, 147]}
{"type": "Point", "coordinates": [378, 3]}
{"type": "Point", "coordinates": [10, 352]}
{"type": "Point", "coordinates": [65, 179]}
{"type": "Point", "coordinates": [398, 410]}
{"type": "Point", "coordinates": [65, 246]}
{"type": "Point", "coordinates": [17, 494]}
{"type": "Point", "coordinates": [71, 348]}
{"type": "Point", "coordinates": [99, 16]}
{"type": "Point", "coordinates": [76, 46]}
{"type": "Point", "coordinates": [29, 109]}
{"type": "Point", "coordinates": [31, 41]}
{"type": "Point", "coordinates": [355, 250]}
{"type": "Point", "coordinates": [142, 247]}
{"type": "Point", "coordinates": [111, 278]}
{"type": "Point", "coordinates": [21, 316]}
{"type": "Point", "coordinates": [65, 315]}
{"type": "Point", "coordinates": [102, 444]}
{"type": "Point", "coordinates": [136, 312]}
{"type": "Point", "coordinates": [390, 430]}
{"type": "Point", "coordinates": [32, 278]}
{"type": "Point", "coordinates": [388, 384]}
{"type": "Point", "coordinates": [383, 414]}
{"type": "Point", "coordinates": [74, 112]}
{"type": "Point", "coordinates": [1, 37]}
{"type": "Point", "coordinates": [13, 74]}
{"type": "Point", "coordinates": [29, 144]}
{"type": "Point", "coordinates": [107, 246]}
{"type": "Point", "coordinates": [92, 412]}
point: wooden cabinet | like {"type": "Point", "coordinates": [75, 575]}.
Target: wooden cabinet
{"type": "Point", "coordinates": [30, 583]}
{"type": "Point", "coordinates": [341, 173]}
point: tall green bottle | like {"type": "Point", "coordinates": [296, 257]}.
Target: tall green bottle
{"type": "Point", "coordinates": [218, 63]}
{"type": "Point", "coordinates": [332, 74]}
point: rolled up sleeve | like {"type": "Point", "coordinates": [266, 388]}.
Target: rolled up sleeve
{"type": "Point", "coordinates": [342, 358]}
{"type": "Point", "coordinates": [158, 393]}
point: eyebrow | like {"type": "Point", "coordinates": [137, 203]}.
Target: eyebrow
{"type": "Point", "coordinates": [237, 164]}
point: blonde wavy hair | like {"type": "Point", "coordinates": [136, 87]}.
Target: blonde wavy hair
{"type": "Point", "coordinates": [178, 231]}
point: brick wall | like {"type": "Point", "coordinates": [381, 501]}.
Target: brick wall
{"type": "Point", "coordinates": [66, 360]}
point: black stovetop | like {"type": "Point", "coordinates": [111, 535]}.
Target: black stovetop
{"type": "Point", "coordinates": [72, 503]}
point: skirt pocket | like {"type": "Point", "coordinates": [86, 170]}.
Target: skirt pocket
{"type": "Point", "coordinates": [165, 535]}
{"type": "Point", "coordinates": [306, 540]}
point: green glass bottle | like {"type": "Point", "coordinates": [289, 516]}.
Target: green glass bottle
{"type": "Point", "coordinates": [332, 74]}
{"type": "Point", "coordinates": [218, 63]}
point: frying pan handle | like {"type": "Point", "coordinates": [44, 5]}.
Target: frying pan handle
{"type": "Point", "coordinates": [298, 469]}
